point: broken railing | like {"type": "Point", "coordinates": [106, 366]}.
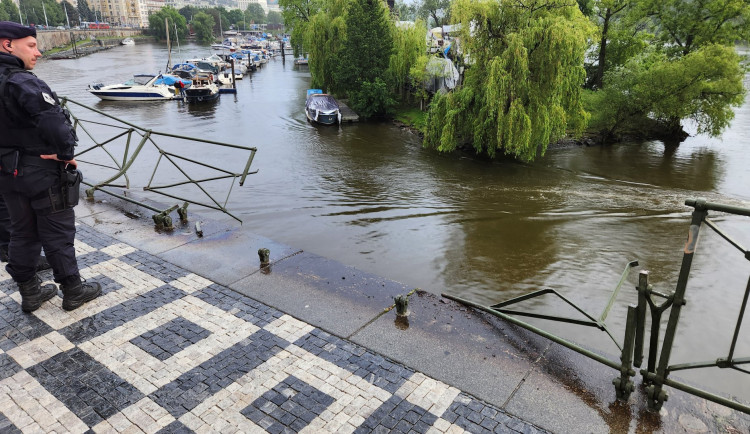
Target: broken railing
{"type": "Point", "coordinates": [123, 144]}
{"type": "Point", "coordinates": [655, 375]}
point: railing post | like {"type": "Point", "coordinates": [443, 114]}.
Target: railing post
{"type": "Point", "coordinates": [656, 394]}
{"type": "Point", "coordinates": [623, 384]}
{"type": "Point", "coordinates": [640, 319]}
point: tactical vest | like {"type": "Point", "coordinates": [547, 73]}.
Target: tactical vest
{"type": "Point", "coordinates": [19, 131]}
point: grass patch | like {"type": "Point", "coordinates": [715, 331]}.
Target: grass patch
{"type": "Point", "coordinates": [411, 116]}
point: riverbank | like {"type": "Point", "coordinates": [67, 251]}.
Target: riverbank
{"type": "Point", "coordinates": [301, 333]}
{"type": "Point", "coordinates": [414, 120]}
{"type": "Point", "coordinates": [48, 40]}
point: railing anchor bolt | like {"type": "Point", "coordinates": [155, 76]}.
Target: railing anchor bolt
{"type": "Point", "coordinates": [182, 211]}
{"type": "Point", "coordinates": [402, 305]}
{"type": "Point", "coordinates": [265, 256]}
{"type": "Point", "coordinates": [163, 220]}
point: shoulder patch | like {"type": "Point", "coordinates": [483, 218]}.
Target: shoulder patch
{"type": "Point", "coordinates": [48, 98]}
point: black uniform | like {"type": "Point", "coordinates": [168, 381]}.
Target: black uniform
{"type": "Point", "coordinates": [33, 124]}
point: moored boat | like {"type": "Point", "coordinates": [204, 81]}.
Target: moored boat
{"type": "Point", "coordinates": [203, 89]}
{"type": "Point", "coordinates": [142, 87]}
{"type": "Point", "coordinates": [128, 41]}
{"type": "Point", "coordinates": [322, 108]}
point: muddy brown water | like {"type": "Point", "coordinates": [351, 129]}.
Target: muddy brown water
{"type": "Point", "coordinates": [370, 196]}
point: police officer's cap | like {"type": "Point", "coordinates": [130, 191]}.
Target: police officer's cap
{"type": "Point", "coordinates": [11, 30]}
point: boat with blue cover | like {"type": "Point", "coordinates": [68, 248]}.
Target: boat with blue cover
{"type": "Point", "coordinates": [322, 108]}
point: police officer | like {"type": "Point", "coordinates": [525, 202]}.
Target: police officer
{"type": "Point", "coordinates": [36, 160]}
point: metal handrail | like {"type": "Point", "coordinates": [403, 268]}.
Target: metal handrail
{"type": "Point", "coordinates": [655, 375]}
{"type": "Point", "coordinates": [129, 132]}
{"type": "Point", "coordinates": [623, 384]}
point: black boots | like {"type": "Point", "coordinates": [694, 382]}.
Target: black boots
{"type": "Point", "coordinates": [76, 292]}
{"type": "Point", "coordinates": [33, 294]}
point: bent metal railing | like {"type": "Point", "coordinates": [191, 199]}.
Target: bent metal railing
{"type": "Point", "coordinates": [125, 133]}
{"type": "Point", "coordinates": [655, 375]}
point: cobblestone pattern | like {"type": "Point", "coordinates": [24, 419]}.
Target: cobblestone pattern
{"type": "Point", "coordinates": [164, 350]}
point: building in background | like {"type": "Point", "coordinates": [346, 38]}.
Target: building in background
{"type": "Point", "coordinates": [243, 4]}
{"type": "Point", "coordinates": [126, 13]}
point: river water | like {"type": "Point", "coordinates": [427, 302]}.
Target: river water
{"type": "Point", "coordinates": [370, 196]}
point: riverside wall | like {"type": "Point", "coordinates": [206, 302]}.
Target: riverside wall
{"type": "Point", "coordinates": [49, 39]}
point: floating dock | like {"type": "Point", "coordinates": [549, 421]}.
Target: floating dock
{"type": "Point", "coordinates": [347, 114]}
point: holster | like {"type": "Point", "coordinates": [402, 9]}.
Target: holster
{"type": "Point", "coordinates": [71, 186]}
{"type": "Point", "coordinates": [63, 195]}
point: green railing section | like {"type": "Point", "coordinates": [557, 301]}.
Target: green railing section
{"type": "Point", "coordinates": [655, 375]}
{"type": "Point", "coordinates": [123, 144]}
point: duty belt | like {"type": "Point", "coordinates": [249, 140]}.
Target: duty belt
{"type": "Point", "coordinates": [13, 162]}
{"type": "Point", "coordinates": [32, 160]}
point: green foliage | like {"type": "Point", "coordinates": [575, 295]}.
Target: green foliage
{"type": "Point", "coordinates": [405, 11]}
{"type": "Point", "coordinates": [156, 24]}
{"type": "Point", "coordinates": [434, 12]}
{"type": "Point", "coordinates": [409, 45]}
{"type": "Point", "coordinates": [372, 98]}
{"type": "Point", "coordinates": [72, 12]}
{"type": "Point", "coordinates": [203, 25]}
{"type": "Point", "coordinates": [55, 15]}
{"type": "Point", "coordinates": [189, 12]}
{"type": "Point", "coordinates": [703, 86]}
{"type": "Point", "coordinates": [221, 16]}
{"type": "Point", "coordinates": [587, 7]}
{"type": "Point", "coordinates": [297, 14]}
{"type": "Point", "coordinates": [254, 14]}
{"type": "Point", "coordinates": [683, 26]}
{"type": "Point", "coordinates": [34, 12]}
{"type": "Point", "coordinates": [274, 18]}
{"type": "Point", "coordinates": [324, 38]}
{"type": "Point", "coordinates": [367, 47]}
{"type": "Point", "coordinates": [418, 75]}
{"type": "Point", "coordinates": [668, 60]}
{"type": "Point", "coordinates": [84, 11]}
{"type": "Point", "coordinates": [7, 12]}
{"type": "Point", "coordinates": [234, 17]}
{"type": "Point", "coordinates": [522, 89]}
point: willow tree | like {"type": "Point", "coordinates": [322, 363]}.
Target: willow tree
{"type": "Point", "coordinates": [522, 86]}
{"type": "Point", "coordinates": [409, 46]}
{"type": "Point", "coordinates": [297, 15]}
{"type": "Point", "coordinates": [323, 40]}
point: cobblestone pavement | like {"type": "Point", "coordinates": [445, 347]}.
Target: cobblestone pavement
{"type": "Point", "coordinates": [165, 350]}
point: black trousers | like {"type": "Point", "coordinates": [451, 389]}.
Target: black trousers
{"type": "Point", "coordinates": [32, 229]}
{"type": "Point", "coordinates": [4, 226]}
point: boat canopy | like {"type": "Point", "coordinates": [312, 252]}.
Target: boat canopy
{"type": "Point", "coordinates": [184, 67]}
{"type": "Point", "coordinates": [312, 91]}
{"type": "Point", "coordinates": [141, 79]}
{"type": "Point", "coordinates": [170, 80]}
{"type": "Point", "coordinates": [322, 102]}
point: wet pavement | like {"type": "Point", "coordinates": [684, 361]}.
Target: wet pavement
{"type": "Point", "coordinates": [192, 335]}
{"type": "Point", "coordinates": [165, 350]}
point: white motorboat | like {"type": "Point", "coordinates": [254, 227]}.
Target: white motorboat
{"type": "Point", "coordinates": [142, 87]}
{"type": "Point", "coordinates": [128, 41]}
